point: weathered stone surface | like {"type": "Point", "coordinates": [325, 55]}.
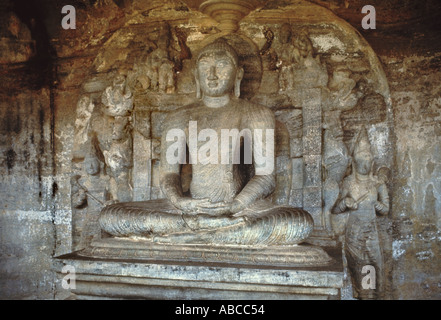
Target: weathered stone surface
{"type": "Point", "coordinates": [276, 256]}
{"type": "Point", "coordinates": [294, 123]}
{"type": "Point", "coordinates": [16, 43]}
{"type": "Point", "coordinates": [40, 126]}
{"type": "Point", "coordinates": [184, 280]}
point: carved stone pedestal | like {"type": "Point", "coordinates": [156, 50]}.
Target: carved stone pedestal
{"type": "Point", "coordinates": [127, 269]}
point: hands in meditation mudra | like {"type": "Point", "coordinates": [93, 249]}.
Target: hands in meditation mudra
{"type": "Point", "coordinates": [226, 202]}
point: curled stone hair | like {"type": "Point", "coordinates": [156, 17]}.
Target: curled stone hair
{"type": "Point", "coordinates": [220, 45]}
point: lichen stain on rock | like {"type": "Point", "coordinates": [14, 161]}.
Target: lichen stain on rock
{"type": "Point", "coordinates": [10, 156]}
{"type": "Point", "coordinates": [54, 189]}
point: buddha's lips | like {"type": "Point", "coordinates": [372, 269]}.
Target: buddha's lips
{"type": "Point", "coordinates": [212, 84]}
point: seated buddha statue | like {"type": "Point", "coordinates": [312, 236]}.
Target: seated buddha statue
{"type": "Point", "coordinates": [229, 144]}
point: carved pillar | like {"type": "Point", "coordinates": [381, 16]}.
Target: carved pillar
{"type": "Point", "coordinates": [142, 156]}
{"type": "Point", "coordinates": [311, 100]}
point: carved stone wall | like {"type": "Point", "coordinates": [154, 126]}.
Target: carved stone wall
{"type": "Point", "coordinates": [317, 73]}
{"type": "Point", "coordinates": [46, 133]}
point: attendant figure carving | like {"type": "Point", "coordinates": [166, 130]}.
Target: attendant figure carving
{"type": "Point", "coordinates": [364, 196]}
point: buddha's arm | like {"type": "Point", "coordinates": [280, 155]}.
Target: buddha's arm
{"type": "Point", "coordinates": [171, 186]}
{"type": "Point", "coordinates": [257, 188]}
{"type": "Point", "coordinates": [170, 168]}
{"type": "Point", "coordinates": [170, 177]}
{"type": "Point", "coordinates": [263, 183]}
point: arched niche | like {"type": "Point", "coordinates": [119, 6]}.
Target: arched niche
{"type": "Point", "coordinates": [319, 115]}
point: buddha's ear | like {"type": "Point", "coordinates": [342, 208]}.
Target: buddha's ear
{"type": "Point", "coordinates": [198, 84]}
{"type": "Point", "coordinates": [239, 77]}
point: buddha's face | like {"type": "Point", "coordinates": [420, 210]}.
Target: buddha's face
{"type": "Point", "coordinates": [216, 73]}
{"type": "Point", "coordinates": [363, 163]}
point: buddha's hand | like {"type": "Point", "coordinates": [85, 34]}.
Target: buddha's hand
{"type": "Point", "coordinates": [214, 208]}
{"type": "Point", "coordinates": [202, 206]}
{"type": "Point", "coordinates": [110, 202]}
{"type": "Point", "coordinates": [236, 207]}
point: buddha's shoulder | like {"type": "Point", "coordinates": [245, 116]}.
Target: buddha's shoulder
{"type": "Point", "coordinates": [254, 109]}
{"type": "Point", "coordinates": [183, 113]}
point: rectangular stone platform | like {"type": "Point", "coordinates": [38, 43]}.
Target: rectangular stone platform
{"type": "Point", "coordinates": [101, 278]}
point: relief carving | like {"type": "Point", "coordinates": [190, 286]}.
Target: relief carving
{"type": "Point", "coordinates": [343, 95]}
{"type": "Point", "coordinates": [363, 195]}
{"type": "Point", "coordinates": [299, 66]}
{"type": "Point", "coordinates": [227, 202]}
{"type": "Point", "coordinates": [118, 102]}
{"type": "Point", "coordinates": [157, 72]}
{"type": "Point", "coordinates": [315, 114]}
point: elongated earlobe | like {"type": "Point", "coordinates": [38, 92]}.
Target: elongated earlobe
{"type": "Point", "coordinates": [239, 77]}
{"type": "Point", "coordinates": [237, 89]}
{"type": "Point", "coordinates": [198, 85]}
{"type": "Point", "coordinates": [198, 90]}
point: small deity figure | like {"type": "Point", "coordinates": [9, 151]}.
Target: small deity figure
{"type": "Point", "coordinates": [89, 194]}
{"type": "Point", "coordinates": [118, 98]}
{"type": "Point", "coordinates": [344, 92]}
{"type": "Point", "coordinates": [78, 194]}
{"type": "Point", "coordinates": [268, 54]}
{"type": "Point", "coordinates": [227, 201]}
{"type": "Point", "coordinates": [158, 71]}
{"type": "Point", "coordinates": [336, 160]}
{"type": "Point", "coordinates": [160, 68]}
{"type": "Point", "coordinates": [287, 57]}
{"type": "Point", "coordinates": [18, 29]}
{"type": "Point", "coordinates": [308, 70]}
{"type": "Point", "coordinates": [85, 109]}
{"type": "Point", "coordinates": [15, 39]}
{"type": "Point", "coordinates": [118, 102]}
{"type": "Point", "coordinates": [119, 159]}
{"type": "Point", "coordinates": [95, 187]}
{"type": "Point", "coordinates": [363, 195]}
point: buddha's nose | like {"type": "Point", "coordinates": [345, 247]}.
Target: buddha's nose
{"type": "Point", "coordinates": [212, 75]}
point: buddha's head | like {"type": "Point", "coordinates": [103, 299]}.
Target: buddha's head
{"type": "Point", "coordinates": [217, 71]}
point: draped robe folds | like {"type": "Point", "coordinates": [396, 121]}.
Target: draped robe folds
{"type": "Point", "coordinates": [261, 222]}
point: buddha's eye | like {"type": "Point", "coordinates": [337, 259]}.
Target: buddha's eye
{"type": "Point", "coordinates": [204, 65]}
{"type": "Point", "coordinates": [222, 64]}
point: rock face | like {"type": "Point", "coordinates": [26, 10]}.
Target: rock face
{"type": "Point", "coordinates": [83, 114]}
{"type": "Point", "coordinates": [16, 42]}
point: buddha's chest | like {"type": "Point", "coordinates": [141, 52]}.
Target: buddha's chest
{"type": "Point", "coordinates": [217, 137]}
{"type": "Point", "coordinates": [217, 120]}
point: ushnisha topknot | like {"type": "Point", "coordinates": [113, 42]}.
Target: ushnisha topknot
{"type": "Point", "coordinates": [220, 45]}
